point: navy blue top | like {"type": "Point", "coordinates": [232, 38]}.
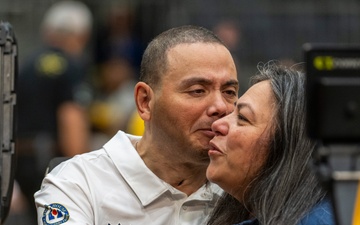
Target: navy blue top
{"type": "Point", "coordinates": [321, 214]}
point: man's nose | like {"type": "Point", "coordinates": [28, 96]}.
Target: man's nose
{"type": "Point", "coordinates": [219, 106]}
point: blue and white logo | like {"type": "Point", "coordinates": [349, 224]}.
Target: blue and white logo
{"type": "Point", "coordinates": [55, 214]}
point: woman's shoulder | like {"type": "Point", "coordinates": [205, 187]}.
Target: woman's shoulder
{"type": "Point", "coordinates": [249, 222]}
{"type": "Point", "coordinates": [320, 214]}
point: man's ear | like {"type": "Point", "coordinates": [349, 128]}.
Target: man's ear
{"type": "Point", "coordinates": [143, 98]}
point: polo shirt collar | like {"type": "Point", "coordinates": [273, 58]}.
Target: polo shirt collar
{"type": "Point", "coordinates": [145, 184]}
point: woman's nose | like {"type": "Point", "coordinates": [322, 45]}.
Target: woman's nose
{"type": "Point", "coordinates": [221, 126]}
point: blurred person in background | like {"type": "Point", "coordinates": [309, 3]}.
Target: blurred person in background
{"type": "Point", "coordinates": [118, 55]}
{"type": "Point", "coordinates": [117, 36]}
{"type": "Point", "coordinates": [51, 119]}
{"type": "Point", "coordinates": [113, 102]}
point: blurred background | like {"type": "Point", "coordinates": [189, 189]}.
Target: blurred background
{"type": "Point", "coordinates": [255, 31]}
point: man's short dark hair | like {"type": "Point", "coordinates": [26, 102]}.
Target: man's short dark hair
{"type": "Point", "coordinates": [154, 61]}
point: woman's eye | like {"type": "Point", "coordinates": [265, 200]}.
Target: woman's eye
{"type": "Point", "coordinates": [241, 117]}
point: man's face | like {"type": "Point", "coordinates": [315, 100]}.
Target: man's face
{"type": "Point", "coordinates": [199, 87]}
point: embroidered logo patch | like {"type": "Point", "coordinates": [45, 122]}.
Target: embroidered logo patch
{"type": "Point", "coordinates": [55, 214]}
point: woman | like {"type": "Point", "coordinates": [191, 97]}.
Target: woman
{"type": "Point", "coordinates": [261, 154]}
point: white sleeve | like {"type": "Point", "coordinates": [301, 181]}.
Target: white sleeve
{"type": "Point", "coordinates": [64, 199]}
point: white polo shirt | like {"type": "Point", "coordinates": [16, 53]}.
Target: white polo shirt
{"type": "Point", "coordinates": [113, 186]}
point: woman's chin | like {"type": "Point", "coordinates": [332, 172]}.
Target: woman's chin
{"type": "Point", "coordinates": [211, 174]}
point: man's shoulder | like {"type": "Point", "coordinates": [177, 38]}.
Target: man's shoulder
{"type": "Point", "coordinates": [105, 159]}
{"type": "Point", "coordinates": [83, 161]}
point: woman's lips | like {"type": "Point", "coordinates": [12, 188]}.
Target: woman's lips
{"type": "Point", "coordinates": [214, 150]}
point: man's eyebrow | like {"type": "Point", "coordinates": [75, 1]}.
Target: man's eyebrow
{"type": "Point", "coordinates": [201, 80]}
{"type": "Point", "coordinates": [195, 80]}
{"type": "Point", "coordinates": [232, 83]}
{"type": "Point", "coordinates": [245, 105]}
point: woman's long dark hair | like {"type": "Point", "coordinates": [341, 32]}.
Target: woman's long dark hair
{"type": "Point", "coordinates": [287, 187]}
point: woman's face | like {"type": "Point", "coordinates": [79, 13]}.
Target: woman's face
{"type": "Point", "coordinates": [240, 147]}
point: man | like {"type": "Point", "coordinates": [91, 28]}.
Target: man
{"type": "Point", "coordinates": [51, 122]}
{"type": "Point", "coordinates": [188, 80]}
